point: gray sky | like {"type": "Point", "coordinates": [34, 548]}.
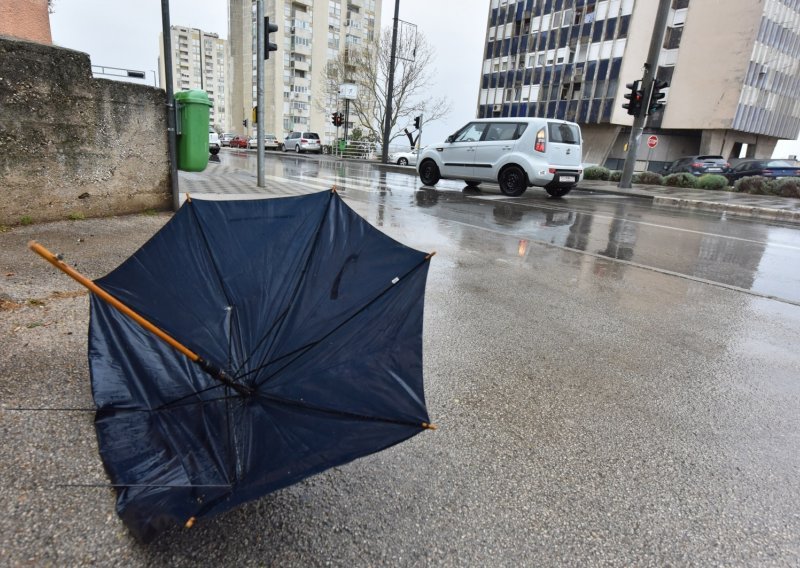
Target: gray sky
{"type": "Point", "coordinates": [124, 33]}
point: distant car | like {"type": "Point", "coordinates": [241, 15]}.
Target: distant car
{"type": "Point", "coordinates": [238, 142]}
{"type": "Point", "coordinates": [404, 158]}
{"type": "Point", "coordinates": [252, 143]}
{"type": "Point", "coordinates": [213, 142]}
{"type": "Point", "coordinates": [302, 142]}
{"type": "Point", "coordinates": [772, 169]}
{"type": "Point", "coordinates": [271, 142]}
{"type": "Point", "coordinates": [698, 165]}
{"type": "Point", "coordinates": [225, 139]}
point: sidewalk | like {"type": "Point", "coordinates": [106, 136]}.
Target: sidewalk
{"type": "Point", "coordinates": [739, 204]}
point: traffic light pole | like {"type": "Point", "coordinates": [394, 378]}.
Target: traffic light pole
{"type": "Point", "coordinates": [650, 68]}
{"type": "Point", "coordinates": [387, 123]}
{"type": "Point", "coordinates": [260, 91]}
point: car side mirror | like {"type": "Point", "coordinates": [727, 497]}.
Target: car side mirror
{"type": "Point", "coordinates": [450, 138]}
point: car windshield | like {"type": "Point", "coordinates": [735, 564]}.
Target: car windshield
{"type": "Point", "coordinates": [780, 164]}
{"type": "Point", "coordinates": [564, 133]}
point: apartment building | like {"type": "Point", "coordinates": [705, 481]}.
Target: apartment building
{"type": "Point", "coordinates": [199, 61]}
{"type": "Point", "coordinates": [310, 33]}
{"type": "Point", "coordinates": [732, 68]}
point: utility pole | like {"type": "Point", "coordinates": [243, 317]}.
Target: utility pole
{"type": "Point", "coordinates": [172, 144]}
{"type": "Point", "coordinates": [650, 69]}
{"type": "Point", "coordinates": [260, 91]}
{"type": "Point", "coordinates": [387, 123]}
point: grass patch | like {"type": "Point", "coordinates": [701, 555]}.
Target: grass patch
{"type": "Point", "coordinates": [76, 216]}
{"type": "Point", "coordinates": [25, 220]}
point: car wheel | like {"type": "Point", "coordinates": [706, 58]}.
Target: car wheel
{"type": "Point", "coordinates": [214, 151]}
{"type": "Point", "coordinates": [297, 149]}
{"type": "Point", "coordinates": [512, 181]}
{"type": "Point", "coordinates": [558, 192]}
{"type": "Point", "coordinates": [284, 149]}
{"type": "Point", "coordinates": [402, 162]}
{"type": "Point", "coordinates": [472, 183]}
{"type": "Point", "coordinates": [429, 173]}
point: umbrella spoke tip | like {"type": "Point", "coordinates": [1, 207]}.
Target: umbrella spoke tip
{"type": "Point", "coordinates": [427, 426]}
{"type": "Point", "coordinates": [430, 255]}
{"type": "Point", "coordinates": [190, 522]}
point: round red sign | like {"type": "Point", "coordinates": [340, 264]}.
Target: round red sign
{"type": "Point", "coordinates": [652, 141]}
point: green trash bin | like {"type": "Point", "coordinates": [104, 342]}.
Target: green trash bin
{"type": "Point", "coordinates": [193, 110]}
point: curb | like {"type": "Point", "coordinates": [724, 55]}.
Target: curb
{"type": "Point", "coordinates": [741, 210]}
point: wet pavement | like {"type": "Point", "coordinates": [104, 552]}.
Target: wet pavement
{"type": "Point", "coordinates": [616, 383]}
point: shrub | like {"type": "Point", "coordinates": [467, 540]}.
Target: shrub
{"type": "Point", "coordinates": [651, 178]}
{"type": "Point", "coordinates": [26, 220]}
{"type": "Point", "coordinates": [596, 172]}
{"type": "Point", "coordinates": [755, 185]}
{"type": "Point", "coordinates": [682, 179]}
{"type": "Point", "coordinates": [786, 187]}
{"type": "Point", "coordinates": [616, 175]}
{"type": "Point", "coordinates": [712, 181]}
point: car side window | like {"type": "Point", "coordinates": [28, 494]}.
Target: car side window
{"type": "Point", "coordinates": [471, 133]}
{"type": "Point", "coordinates": [502, 131]}
{"type": "Point", "coordinates": [743, 166]}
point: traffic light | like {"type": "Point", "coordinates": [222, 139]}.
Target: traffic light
{"type": "Point", "coordinates": [255, 115]}
{"type": "Point", "coordinates": [268, 45]}
{"type": "Point", "coordinates": [656, 96]}
{"type": "Point", "coordinates": [338, 119]}
{"type": "Point", "coordinates": [417, 121]}
{"type": "Point", "coordinates": [635, 97]}
{"type": "Point", "coordinates": [333, 118]}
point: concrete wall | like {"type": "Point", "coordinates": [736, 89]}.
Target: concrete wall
{"type": "Point", "coordinates": [72, 145]}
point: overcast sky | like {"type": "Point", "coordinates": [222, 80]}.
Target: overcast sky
{"type": "Point", "coordinates": [124, 33]}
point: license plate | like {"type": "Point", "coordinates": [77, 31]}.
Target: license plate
{"type": "Point", "coordinates": [566, 178]}
{"type": "Point", "coordinates": [714, 169]}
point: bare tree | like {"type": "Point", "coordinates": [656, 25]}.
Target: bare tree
{"type": "Point", "coordinates": [367, 67]}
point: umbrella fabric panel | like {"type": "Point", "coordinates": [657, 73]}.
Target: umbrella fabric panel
{"type": "Point", "coordinates": [281, 444]}
{"type": "Point", "coordinates": [351, 265]}
{"type": "Point", "coordinates": [369, 366]}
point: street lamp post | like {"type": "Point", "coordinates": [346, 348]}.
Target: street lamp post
{"type": "Point", "coordinates": [387, 124]}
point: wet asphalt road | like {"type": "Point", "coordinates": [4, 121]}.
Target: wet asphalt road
{"type": "Point", "coordinates": [614, 385]}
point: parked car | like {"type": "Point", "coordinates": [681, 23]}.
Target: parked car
{"type": "Point", "coordinates": [239, 142]}
{"type": "Point", "coordinates": [252, 143]}
{"type": "Point", "coordinates": [302, 142]}
{"type": "Point", "coordinates": [271, 142]}
{"type": "Point", "coordinates": [213, 142]}
{"type": "Point", "coordinates": [515, 152]}
{"type": "Point", "coordinates": [225, 139]}
{"type": "Point", "coordinates": [404, 158]}
{"type": "Point", "coordinates": [768, 168]}
{"type": "Point", "coordinates": [698, 165]}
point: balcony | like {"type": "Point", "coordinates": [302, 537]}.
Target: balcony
{"type": "Point", "coordinates": [300, 65]}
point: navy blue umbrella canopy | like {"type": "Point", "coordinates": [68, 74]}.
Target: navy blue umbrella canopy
{"type": "Point", "coordinates": [314, 317]}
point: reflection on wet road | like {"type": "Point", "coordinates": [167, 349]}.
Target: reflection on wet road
{"type": "Point", "coordinates": [757, 256]}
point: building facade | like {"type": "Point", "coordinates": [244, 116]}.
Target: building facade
{"type": "Point", "coordinates": [310, 33]}
{"type": "Point", "coordinates": [200, 61]}
{"type": "Point", "coordinates": [732, 68]}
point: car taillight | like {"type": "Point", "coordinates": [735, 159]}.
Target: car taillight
{"type": "Point", "coordinates": [726, 165]}
{"type": "Point", "coordinates": [539, 145]}
{"type": "Point", "coordinates": [697, 164]}
{"type": "Point", "coordinates": [303, 140]}
{"type": "Point", "coordinates": [766, 172]}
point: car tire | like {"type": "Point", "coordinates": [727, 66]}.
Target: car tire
{"type": "Point", "coordinates": [471, 183]}
{"type": "Point", "coordinates": [297, 149]}
{"type": "Point", "coordinates": [513, 181]}
{"type": "Point", "coordinates": [402, 162]}
{"type": "Point", "coordinates": [558, 191]}
{"type": "Point", "coordinates": [214, 151]}
{"type": "Point", "coordinates": [284, 149]}
{"type": "Point", "coordinates": [429, 173]}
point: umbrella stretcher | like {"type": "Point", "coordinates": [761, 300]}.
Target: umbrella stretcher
{"type": "Point", "coordinates": [246, 346]}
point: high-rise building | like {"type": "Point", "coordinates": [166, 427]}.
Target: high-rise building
{"type": "Point", "coordinates": [199, 61]}
{"type": "Point", "coordinates": [310, 33]}
{"type": "Point", "coordinates": [732, 68]}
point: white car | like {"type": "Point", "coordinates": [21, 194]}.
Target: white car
{"type": "Point", "coordinates": [213, 142]}
{"type": "Point", "coordinates": [404, 158]}
{"type": "Point", "coordinates": [252, 143]}
{"type": "Point", "coordinates": [302, 142]}
{"type": "Point", "coordinates": [517, 153]}
{"type": "Point", "coordinates": [271, 142]}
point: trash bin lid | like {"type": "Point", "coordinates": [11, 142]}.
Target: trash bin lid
{"type": "Point", "coordinates": [193, 96]}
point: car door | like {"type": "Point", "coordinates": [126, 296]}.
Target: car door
{"type": "Point", "coordinates": [744, 169]}
{"type": "Point", "coordinates": [498, 143]}
{"type": "Point", "coordinates": [458, 154]}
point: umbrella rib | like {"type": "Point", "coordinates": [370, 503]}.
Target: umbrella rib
{"type": "Point", "coordinates": [337, 412]}
{"type": "Point", "coordinates": [282, 318]}
{"type": "Point", "coordinates": [301, 350]}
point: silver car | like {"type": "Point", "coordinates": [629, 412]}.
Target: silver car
{"type": "Point", "coordinates": [302, 142]}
